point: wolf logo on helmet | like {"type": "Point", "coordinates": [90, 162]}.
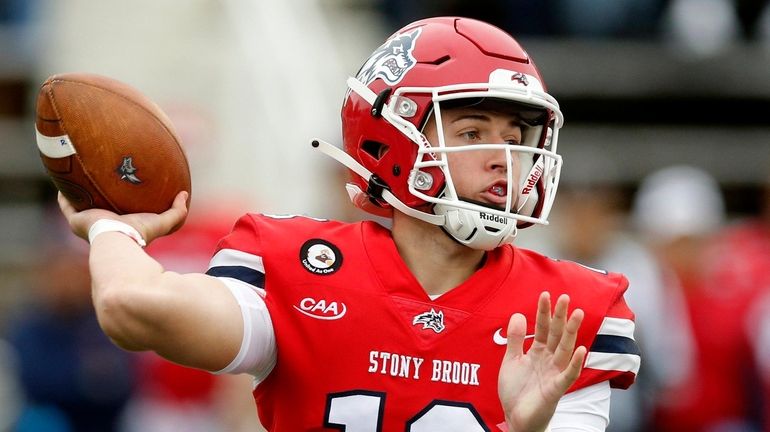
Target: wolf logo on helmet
{"type": "Point", "coordinates": [392, 60]}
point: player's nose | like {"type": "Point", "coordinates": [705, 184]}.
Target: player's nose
{"type": "Point", "coordinates": [499, 159]}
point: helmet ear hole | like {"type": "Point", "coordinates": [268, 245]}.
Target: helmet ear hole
{"type": "Point", "coordinates": [376, 150]}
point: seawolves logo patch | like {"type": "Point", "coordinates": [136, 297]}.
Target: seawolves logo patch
{"type": "Point", "coordinates": [320, 257]}
{"type": "Point", "coordinates": [392, 60]}
{"type": "Point", "coordinates": [430, 320]}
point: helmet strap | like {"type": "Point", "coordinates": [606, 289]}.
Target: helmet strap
{"type": "Point", "coordinates": [387, 196]}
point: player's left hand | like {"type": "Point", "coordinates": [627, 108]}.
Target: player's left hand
{"type": "Point", "coordinates": [531, 384]}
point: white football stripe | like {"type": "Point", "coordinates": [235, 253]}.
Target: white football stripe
{"type": "Point", "coordinates": [55, 147]}
{"type": "Point", "coordinates": [612, 361]}
{"type": "Point", "coordinates": [617, 327]}
{"type": "Point", "coordinates": [233, 257]}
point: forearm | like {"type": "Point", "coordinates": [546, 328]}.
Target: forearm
{"type": "Point", "coordinates": [503, 427]}
{"type": "Point", "coordinates": [584, 410]}
{"type": "Point", "coordinates": [142, 307]}
{"type": "Point", "coordinates": [123, 283]}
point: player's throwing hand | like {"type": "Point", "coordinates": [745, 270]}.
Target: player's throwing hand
{"type": "Point", "coordinates": [149, 225]}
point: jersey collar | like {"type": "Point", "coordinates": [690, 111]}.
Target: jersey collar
{"type": "Point", "coordinates": [397, 280]}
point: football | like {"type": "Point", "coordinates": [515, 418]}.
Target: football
{"type": "Point", "coordinates": [106, 145]}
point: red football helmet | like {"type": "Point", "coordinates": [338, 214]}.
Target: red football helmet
{"type": "Point", "coordinates": [439, 62]}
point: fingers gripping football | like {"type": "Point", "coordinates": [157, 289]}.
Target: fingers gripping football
{"type": "Point", "coordinates": [149, 225]}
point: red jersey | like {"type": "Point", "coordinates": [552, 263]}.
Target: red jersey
{"type": "Point", "coordinates": [361, 346]}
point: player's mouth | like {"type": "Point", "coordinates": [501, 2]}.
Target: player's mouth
{"type": "Point", "coordinates": [496, 194]}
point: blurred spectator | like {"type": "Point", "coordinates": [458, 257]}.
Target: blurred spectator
{"type": "Point", "coordinates": [581, 18]}
{"type": "Point", "coordinates": [609, 18]}
{"type": "Point", "coordinates": [709, 27]}
{"type": "Point", "coordinates": [741, 278]}
{"type": "Point", "coordinates": [520, 17]}
{"type": "Point", "coordinates": [14, 11]}
{"type": "Point", "coordinates": [72, 377]}
{"type": "Point", "coordinates": [749, 14]}
{"type": "Point", "coordinates": [702, 28]}
{"type": "Point", "coordinates": [10, 400]}
{"type": "Point", "coordinates": [679, 210]}
{"type": "Point", "coordinates": [590, 222]}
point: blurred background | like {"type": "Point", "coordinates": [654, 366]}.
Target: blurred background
{"type": "Point", "coordinates": [666, 179]}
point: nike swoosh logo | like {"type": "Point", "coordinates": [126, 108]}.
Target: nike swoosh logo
{"type": "Point", "coordinates": [502, 340]}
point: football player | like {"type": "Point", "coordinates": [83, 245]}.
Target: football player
{"type": "Point", "coordinates": [437, 324]}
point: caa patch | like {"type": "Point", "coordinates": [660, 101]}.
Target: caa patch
{"type": "Point", "coordinates": [322, 309]}
{"type": "Point", "coordinates": [320, 257]}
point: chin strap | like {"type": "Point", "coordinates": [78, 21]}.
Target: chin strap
{"type": "Point", "coordinates": [387, 196]}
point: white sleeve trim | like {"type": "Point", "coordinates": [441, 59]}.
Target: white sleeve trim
{"type": "Point", "coordinates": [613, 361]}
{"type": "Point", "coordinates": [617, 327]}
{"type": "Point", "coordinates": [234, 257]}
{"type": "Point", "coordinates": [257, 355]}
{"type": "Point", "coordinates": [584, 410]}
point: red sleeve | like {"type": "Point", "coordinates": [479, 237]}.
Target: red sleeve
{"type": "Point", "coordinates": [239, 254]}
{"type": "Point", "coordinates": [614, 355]}
{"type": "Point", "coordinates": [244, 236]}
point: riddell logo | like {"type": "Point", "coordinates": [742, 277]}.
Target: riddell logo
{"type": "Point", "coordinates": [493, 218]}
{"type": "Point", "coordinates": [532, 180]}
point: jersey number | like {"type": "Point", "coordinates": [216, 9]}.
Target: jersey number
{"type": "Point", "coordinates": [362, 410]}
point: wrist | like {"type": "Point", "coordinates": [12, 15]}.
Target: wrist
{"type": "Point", "coordinates": [111, 225]}
{"type": "Point", "coordinates": [504, 428]}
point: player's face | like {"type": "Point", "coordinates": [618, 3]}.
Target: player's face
{"type": "Point", "coordinates": [479, 175]}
